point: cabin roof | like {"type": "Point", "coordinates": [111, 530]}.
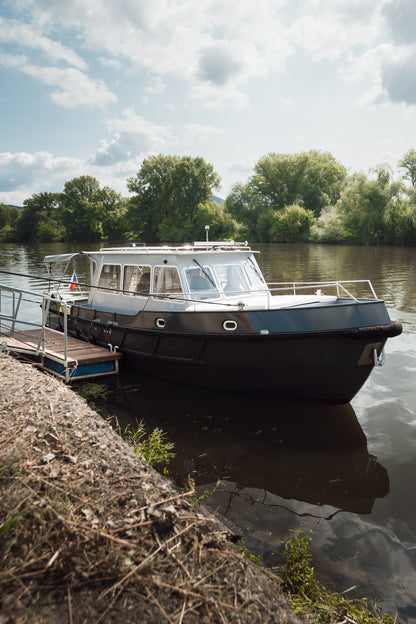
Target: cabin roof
{"type": "Point", "coordinates": [142, 249]}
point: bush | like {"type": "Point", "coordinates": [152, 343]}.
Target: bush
{"type": "Point", "coordinates": [291, 224]}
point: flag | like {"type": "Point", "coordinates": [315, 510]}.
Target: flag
{"type": "Point", "coordinates": [74, 281]}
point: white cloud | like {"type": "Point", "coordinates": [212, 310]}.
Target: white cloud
{"type": "Point", "coordinates": [401, 19]}
{"type": "Point", "coordinates": [73, 88]}
{"type": "Point", "coordinates": [22, 174]}
{"type": "Point", "coordinates": [327, 29]}
{"type": "Point", "coordinates": [202, 43]}
{"type": "Point", "coordinates": [27, 36]}
{"type": "Point", "coordinates": [132, 136]}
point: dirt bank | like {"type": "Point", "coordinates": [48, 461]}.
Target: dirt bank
{"type": "Point", "coordinates": [89, 533]}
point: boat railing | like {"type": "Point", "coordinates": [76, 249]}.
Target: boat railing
{"type": "Point", "coordinates": [236, 298]}
{"type": "Point", "coordinates": [340, 288]}
{"type": "Point", "coordinates": [23, 317]}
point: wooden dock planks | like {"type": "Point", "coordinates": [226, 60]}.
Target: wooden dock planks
{"type": "Point", "coordinates": [79, 352]}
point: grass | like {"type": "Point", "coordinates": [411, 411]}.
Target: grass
{"type": "Point", "coordinates": [153, 448]}
{"type": "Point", "coordinates": [311, 600]}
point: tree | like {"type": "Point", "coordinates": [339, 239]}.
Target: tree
{"type": "Point", "coordinates": [9, 216]}
{"type": "Point", "coordinates": [112, 209]}
{"type": "Point", "coordinates": [365, 204]}
{"type": "Point", "coordinates": [81, 212]}
{"type": "Point", "coordinates": [328, 227]}
{"type": "Point", "coordinates": [40, 219]}
{"type": "Point", "coordinates": [246, 207]}
{"type": "Point", "coordinates": [291, 224]}
{"type": "Point", "coordinates": [168, 191]}
{"type": "Point", "coordinates": [312, 179]}
{"type": "Point", "coordinates": [408, 163]}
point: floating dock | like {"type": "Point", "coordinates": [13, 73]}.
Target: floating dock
{"type": "Point", "coordinates": [83, 359]}
{"type": "Point", "coordinates": [54, 351]}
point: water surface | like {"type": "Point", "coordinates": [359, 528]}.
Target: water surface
{"type": "Point", "coordinates": [345, 472]}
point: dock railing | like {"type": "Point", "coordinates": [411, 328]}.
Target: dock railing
{"type": "Point", "coordinates": [23, 318]}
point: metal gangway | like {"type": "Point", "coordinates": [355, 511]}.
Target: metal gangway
{"type": "Point", "coordinates": [24, 333]}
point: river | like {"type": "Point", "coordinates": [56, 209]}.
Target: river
{"type": "Point", "coordinates": [346, 473]}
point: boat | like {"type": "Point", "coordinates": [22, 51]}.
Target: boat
{"type": "Point", "coordinates": [203, 314]}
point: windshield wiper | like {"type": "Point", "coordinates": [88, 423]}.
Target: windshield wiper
{"type": "Point", "coordinates": [205, 273]}
{"type": "Point", "coordinates": [258, 273]}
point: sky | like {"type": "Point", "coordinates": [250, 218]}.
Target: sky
{"type": "Point", "coordinates": [93, 87]}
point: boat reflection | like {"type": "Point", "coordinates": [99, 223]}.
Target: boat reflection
{"type": "Point", "coordinates": [296, 450]}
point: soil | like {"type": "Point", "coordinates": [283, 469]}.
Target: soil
{"type": "Point", "coordinates": [90, 533]}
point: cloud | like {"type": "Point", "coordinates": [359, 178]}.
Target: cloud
{"type": "Point", "coordinates": [27, 36]}
{"type": "Point", "coordinates": [22, 171]}
{"type": "Point", "coordinates": [73, 88]}
{"type": "Point", "coordinates": [327, 29]}
{"type": "Point", "coordinates": [132, 136]}
{"type": "Point", "coordinates": [401, 20]}
{"type": "Point", "coordinates": [207, 42]}
{"type": "Point", "coordinates": [218, 64]}
{"type": "Point", "coordinates": [399, 79]}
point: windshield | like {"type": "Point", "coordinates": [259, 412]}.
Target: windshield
{"type": "Point", "coordinates": [232, 278]}
{"type": "Point", "coordinates": [200, 280]}
{"type": "Point", "coordinates": [254, 275]}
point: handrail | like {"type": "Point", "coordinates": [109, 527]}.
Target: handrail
{"type": "Point", "coordinates": [10, 321]}
{"type": "Point", "coordinates": [270, 291]}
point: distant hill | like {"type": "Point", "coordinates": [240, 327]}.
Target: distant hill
{"type": "Point", "coordinates": [216, 199]}
{"type": "Point", "coordinates": [12, 206]}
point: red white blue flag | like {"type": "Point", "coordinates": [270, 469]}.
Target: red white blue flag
{"type": "Point", "coordinates": [74, 281]}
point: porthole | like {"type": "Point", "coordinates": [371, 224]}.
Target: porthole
{"type": "Point", "coordinates": [229, 325]}
{"type": "Point", "coordinates": [160, 323]}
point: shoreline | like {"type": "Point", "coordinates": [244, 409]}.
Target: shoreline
{"type": "Point", "coordinates": [91, 533]}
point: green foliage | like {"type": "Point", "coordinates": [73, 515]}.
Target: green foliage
{"type": "Point", "coordinates": [242, 548]}
{"type": "Point", "coordinates": [298, 574]}
{"type": "Point", "coordinates": [289, 197]}
{"type": "Point", "coordinates": [408, 163]}
{"type": "Point", "coordinates": [313, 179]}
{"type": "Point", "coordinates": [81, 209]}
{"type": "Point", "coordinates": [9, 216]}
{"type": "Point", "coordinates": [40, 219]}
{"type": "Point", "coordinates": [195, 499]}
{"type": "Point", "coordinates": [9, 524]}
{"type": "Point", "coordinates": [92, 391]}
{"type": "Point", "coordinates": [154, 448]}
{"type": "Point", "coordinates": [310, 600]}
{"type": "Point", "coordinates": [8, 234]}
{"type": "Point", "coordinates": [328, 227]}
{"type": "Point", "coordinates": [365, 203]}
{"type": "Point", "coordinates": [291, 224]}
{"type": "Point", "coordinates": [246, 207]}
{"type": "Point", "coordinates": [91, 213]}
{"type": "Point", "coordinates": [168, 191]}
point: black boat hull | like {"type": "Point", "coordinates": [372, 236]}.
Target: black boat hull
{"type": "Point", "coordinates": [319, 361]}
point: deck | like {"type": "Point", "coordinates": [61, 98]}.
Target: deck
{"type": "Point", "coordinates": [82, 360]}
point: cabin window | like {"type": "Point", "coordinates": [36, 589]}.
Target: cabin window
{"type": "Point", "coordinates": [110, 277]}
{"type": "Point", "coordinates": [231, 278]}
{"type": "Point", "coordinates": [136, 280]}
{"type": "Point", "coordinates": [254, 275]}
{"type": "Point", "coordinates": [200, 281]}
{"type": "Point", "coordinates": [166, 280]}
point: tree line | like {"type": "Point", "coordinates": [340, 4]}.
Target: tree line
{"type": "Point", "coordinates": [307, 196]}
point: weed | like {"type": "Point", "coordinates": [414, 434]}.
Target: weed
{"type": "Point", "coordinates": [298, 574]}
{"type": "Point", "coordinates": [312, 601]}
{"type": "Point", "coordinates": [193, 498]}
{"type": "Point", "coordinates": [242, 548]}
{"type": "Point", "coordinates": [92, 391]}
{"type": "Point", "coordinates": [154, 448]}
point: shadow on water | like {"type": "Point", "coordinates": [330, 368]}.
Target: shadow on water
{"type": "Point", "coordinates": [296, 450]}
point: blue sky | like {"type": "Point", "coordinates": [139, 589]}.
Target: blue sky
{"type": "Point", "coordinates": [95, 86]}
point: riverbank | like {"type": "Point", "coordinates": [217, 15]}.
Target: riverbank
{"type": "Point", "coordinates": [91, 533]}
